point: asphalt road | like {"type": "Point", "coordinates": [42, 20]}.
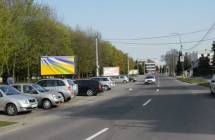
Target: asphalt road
{"type": "Point", "coordinates": [168, 110]}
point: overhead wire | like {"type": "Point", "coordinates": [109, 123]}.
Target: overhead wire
{"type": "Point", "coordinates": [202, 39]}
{"type": "Point", "coordinates": [162, 43]}
{"type": "Point", "coordinates": [157, 37]}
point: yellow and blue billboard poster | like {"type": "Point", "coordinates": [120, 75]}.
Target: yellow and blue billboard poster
{"type": "Point", "coordinates": [57, 65]}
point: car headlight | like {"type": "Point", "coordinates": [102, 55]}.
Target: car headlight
{"type": "Point", "coordinates": [54, 96]}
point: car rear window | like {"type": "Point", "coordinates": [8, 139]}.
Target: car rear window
{"type": "Point", "coordinates": [60, 83]}
{"type": "Point", "coordinates": [70, 82]}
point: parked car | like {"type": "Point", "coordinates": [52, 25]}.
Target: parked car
{"type": "Point", "coordinates": [132, 78]}
{"type": "Point", "coordinates": [61, 86]}
{"type": "Point", "coordinates": [106, 82]}
{"type": "Point", "coordinates": [74, 86]}
{"type": "Point", "coordinates": [120, 79]}
{"type": "Point", "coordinates": [12, 101]}
{"type": "Point", "coordinates": [150, 79]}
{"type": "Point", "coordinates": [212, 85]}
{"type": "Point", "coordinates": [45, 98]}
{"type": "Point", "coordinates": [89, 87]}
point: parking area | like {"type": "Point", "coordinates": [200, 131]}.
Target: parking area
{"type": "Point", "coordinates": [39, 115]}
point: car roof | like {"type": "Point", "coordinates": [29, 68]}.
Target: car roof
{"type": "Point", "coordinates": [23, 84]}
{"type": "Point", "coordinates": [52, 79]}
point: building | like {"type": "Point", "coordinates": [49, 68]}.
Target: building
{"type": "Point", "coordinates": [150, 65]}
{"type": "Point", "coordinates": [194, 56]}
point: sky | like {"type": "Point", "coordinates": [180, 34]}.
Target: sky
{"type": "Point", "coordinates": [123, 21]}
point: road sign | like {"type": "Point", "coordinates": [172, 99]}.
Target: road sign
{"type": "Point", "coordinates": [182, 58]}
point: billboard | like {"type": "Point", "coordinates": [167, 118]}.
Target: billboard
{"type": "Point", "coordinates": [110, 71]}
{"type": "Point", "coordinates": [133, 72]}
{"type": "Point", "coordinates": [57, 65]}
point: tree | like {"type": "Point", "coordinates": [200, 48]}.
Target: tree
{"type": "Point", "coordinates": [213, 49]}
{"type": "Point", "coordinates": [171, 57]}
{"type": "Point", "coordinates": [187, 62]}
{"type": "Point", "coordinates": [204, 65]}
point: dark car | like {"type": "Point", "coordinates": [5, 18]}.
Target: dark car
{"type": "Point", "coordinates": [132, 79]}
{"type": "Point", "coordinates": [88, 87]}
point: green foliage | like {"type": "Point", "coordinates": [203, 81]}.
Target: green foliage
{"type": "Point", "coordinates": [203, 68]}
{"type": "Point", "coordinates": [29, 31]}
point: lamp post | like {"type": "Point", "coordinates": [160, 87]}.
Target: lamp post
{"type": "Point", "coordinates": [181, 57]}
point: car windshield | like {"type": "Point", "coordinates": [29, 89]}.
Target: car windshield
{"type": "Point", "coordinates": [9, 90]}
{"type": "Point", "coordinates": [39, 88]}
{"type": "Point", "coordinates": [150, 77]}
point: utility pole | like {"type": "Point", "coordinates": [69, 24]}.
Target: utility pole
{"type": "Point", "coordinates": [97, 58]}
{"type": "Point", "coordinates": [180, 52]}
{"type": "Point", "coordinates": [128, 63]}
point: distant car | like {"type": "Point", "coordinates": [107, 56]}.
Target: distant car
{"type": "Point", "coordinates": [89, 87]}
{"type": "Point", "coordinates": [106, 82]}
{"type": "Point", "coordinates": [132, 79]}
{"type": "Point", "coordinates": [212, 85]}
{"type": "Point", "coordinates": [12, 101]}
{"type": "Point", "coordinates": [45, 98]}
{"type": "Point", "coordinates": [150, 79]}
{"type": "Point", "coordinates": [62, 86]}
{"type": "Point", "coordinates": [120, 79]}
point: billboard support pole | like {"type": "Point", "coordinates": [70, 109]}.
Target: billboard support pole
{"type": "Point", "coordinates": [97, 58]}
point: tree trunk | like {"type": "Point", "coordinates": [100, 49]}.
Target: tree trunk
{"type": "Point", "coordinates": [28, 72]}
{"type": "Point", "coordinates": [14, 67]}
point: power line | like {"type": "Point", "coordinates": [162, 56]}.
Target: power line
{"type": "Point", "coordinates": [157, 37]}
{"type": "Point", "coordinates": [202, 39]}
{"type": "Point", "coordinates": [161, 44]}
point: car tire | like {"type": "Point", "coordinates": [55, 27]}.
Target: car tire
{"type": "Point", "coordinates": [106, 87]}
{"type": "Point", "coordinates": [64, 98]}
{"type": "Point", "coordinates": [46, 104]}
{"type": "Point", "coordinates": [11, 109]}
{"type": "Point", "coordinates": [90, 92]}
{"type": "Point", "coordinates": [124, 82]}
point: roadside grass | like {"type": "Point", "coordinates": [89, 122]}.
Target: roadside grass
{"type": "Point", "coordinates": [4, 123]}
{"type": "Point", "coordinates": [200, 82]}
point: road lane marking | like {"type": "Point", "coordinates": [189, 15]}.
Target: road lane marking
{"type": "Point", "coordinates": [148, 101]}
{"type": "Point", "coordinates": [97, 134]}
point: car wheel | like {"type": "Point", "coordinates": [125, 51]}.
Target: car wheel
{"type": "Point", "coordinates": [90, 92]}
{"type": "Point", "coordinates": [11, 110]}
{"type": "Point", "coordinates": [124, 82]}
{"type": "Point", "coordinates": [212, 93]}
{"type": "Point", "coordinates": [46, 104]}
{"type": "Point", "coordinates": [64, 98]}
{"type": "Point", "coordinates": [106, 87]}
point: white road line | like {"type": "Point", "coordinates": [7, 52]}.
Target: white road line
{"type": "Point", "coordinates": [148, 101]}
{"type": "Point", "coordinates": [97, 134]}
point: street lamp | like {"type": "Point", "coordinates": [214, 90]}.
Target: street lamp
{"type": "Point", "coordinates": [181, 57]}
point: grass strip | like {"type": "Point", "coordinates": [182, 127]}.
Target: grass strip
{"type": "Point", "coordinates": [5, 123]}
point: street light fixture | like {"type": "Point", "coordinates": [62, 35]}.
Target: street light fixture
{"type": "Point", "coordinates": [181, 57]}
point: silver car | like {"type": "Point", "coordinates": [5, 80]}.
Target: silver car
{"type": "Point", "coordinates": [12, 101]}
{"type": "Point", "coordinates": [120, 79]}
{"type": "Point", "coordinates": [106, 82]}
{"type": "Point", "coordinates": [46, 99]}
{"type": "Point", "coordinates": [61, 86]}
{"type": "Point", "coordinates": [212, 85]}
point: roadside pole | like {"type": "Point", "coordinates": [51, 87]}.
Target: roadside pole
{"type": "Point", "coordinates": [97, 58]}
{"type": "Point", "coordinates": [128, 63]}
